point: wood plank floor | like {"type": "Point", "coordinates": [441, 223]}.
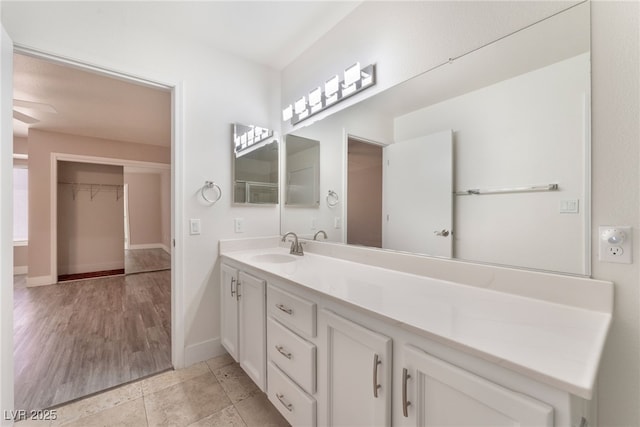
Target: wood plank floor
{"type": "Point", "coordinates": [78, 338]}
{"type": "Point", "coordinates": [144, 260]}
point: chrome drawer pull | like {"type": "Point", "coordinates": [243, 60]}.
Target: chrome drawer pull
{"type": "Point", "coordinates": [287, 405]}
{"type": "Point", "coordinates": [233, 280]}
{"type": "Point", "coordinates": [405, 402]}
{"type": "Point", "coordinates": [285, 309]}
{"type": "Point", "coordinates": [283, 352]}
{"type": "Point", "coordinates": [376, 386]}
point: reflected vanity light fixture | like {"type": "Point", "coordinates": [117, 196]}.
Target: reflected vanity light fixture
{"type": "Point", "coordinates": [252, 139]}
{"type": "Point", "coordinates": [355, 80]}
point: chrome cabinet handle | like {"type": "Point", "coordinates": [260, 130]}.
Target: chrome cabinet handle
{"type": "Point", "coordinates": [376, 386]}
{"type": "Point", "coordinates": [233, 280]}
{"type": "Point", "coordinates": [238, 283]}
{"type": "Point", "coordinates": [285, 309]}
{"type": "Point", "coordinates": [286, 404]}
{"type": "Point", "coordinates": [405, 402]}
{"type": "Point", "coordinates": [283, 352]}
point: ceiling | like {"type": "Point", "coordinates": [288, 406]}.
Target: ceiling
{"type": "Point", "coordinates": [272, 33]}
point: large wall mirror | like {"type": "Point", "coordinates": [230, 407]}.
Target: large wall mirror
{"type": "Point", "coordinates": [255, 165]}
{"type": "Point", "coordinates": [483, 159]}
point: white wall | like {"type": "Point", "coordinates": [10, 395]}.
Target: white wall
{"type": "Point", "coordinates": [216, 86]}
{"type": "Point", "coordinates": [527, 130]}
{"type": "Point", "coordinates": [403, 44]}
{"type": "Point", "coordinates": [6, 229]}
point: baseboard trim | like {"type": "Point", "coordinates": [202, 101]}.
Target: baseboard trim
{"type": "Point", "coordinates": [202, 351]}
{"type": "Point", "coordinates": [20, 269]}
{"type": "Point", "coordinates": [148, 246]}
{"type": "Point", "coordinates": [41, 281]}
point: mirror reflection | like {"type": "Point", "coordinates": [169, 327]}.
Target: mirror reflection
{"type": "Point", "coordinates": [482, 159]}
{"type": "Point", "coordinates": [302, 171]}
{"type": "Point", "coordinates": [255, 165]}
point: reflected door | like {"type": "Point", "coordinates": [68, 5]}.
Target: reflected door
{"type": "Point", "coordinates": [418, 195]}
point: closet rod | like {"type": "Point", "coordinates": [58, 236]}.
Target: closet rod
{"type": "Point", "coordinates": [532, 188]}
{"type": "Point", "coordinates": [94, 189]}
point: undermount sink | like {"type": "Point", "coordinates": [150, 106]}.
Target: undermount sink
{"type": "Point", "coordinates": [273, 258]}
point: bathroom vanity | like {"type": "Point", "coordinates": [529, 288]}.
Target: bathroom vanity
{"type": "Point", "coordinates": [356, 336]}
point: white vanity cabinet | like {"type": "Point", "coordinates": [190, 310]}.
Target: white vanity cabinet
{"type": "Point", "coordinates": [243, 329]}
{"type": "Point", "coordinates": [357, 366]}
{"type": "Point", "coordinates": [291, 354]}
{"type": "Point", "coordinates": [436, 393]}
{"type": "Point", "coordinates": [345, 350]}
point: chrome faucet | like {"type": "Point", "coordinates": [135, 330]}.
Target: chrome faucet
{"type": "Point", "coordinates": [315, 237]}
{"type": "Point", "coordinates": [296, 247]}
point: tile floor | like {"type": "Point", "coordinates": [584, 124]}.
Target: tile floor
{"type": "Point", "coordinates": [212, 393]}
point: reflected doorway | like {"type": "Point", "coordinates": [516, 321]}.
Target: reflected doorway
{"type": "Point", "coordinates": [364, 193]}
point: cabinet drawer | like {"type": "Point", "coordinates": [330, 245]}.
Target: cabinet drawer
{"type": "Point", "coordinates": [295, 405]}
{"type": "Point", "coordinates": [297, 313]}
{"type": "Point", "coordinates": [294, 355]}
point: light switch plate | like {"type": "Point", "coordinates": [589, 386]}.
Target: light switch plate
{"type": "Point", "coordinates": [617, 253]}
{"type": "Point", "coordinates": [194, 226]}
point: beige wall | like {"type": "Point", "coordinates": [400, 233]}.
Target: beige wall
{"type": "Point", "coordinates": [147, 222]}
{"type": "Point", "coordinates": [20, 145]}
{"type": "Point", "coordinates": [20, 258]}
{"type": "Point", "coordinates": [364, 207]}
{"type": "Point", "coordinates": [41, 145]}
{"type": "Point", "coordinates": [90, 222]}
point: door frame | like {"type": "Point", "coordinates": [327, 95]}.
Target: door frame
{"type": "Point", "coordinates": [178, 334]}
{"type": "Point", "coordinates": [80, 158]}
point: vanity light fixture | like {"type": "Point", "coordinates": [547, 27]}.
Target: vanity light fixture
{"type": "Point", "coordinates": [251, 139]}
{"type": "Point", "coordinates": [315, 100]}
{"type": "Point", "coordinates": [355, 80]}
{"type": "Point", "coordinates": [287, 113]}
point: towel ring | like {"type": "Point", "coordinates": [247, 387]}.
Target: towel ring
{"type": "Point", "coordinates": [207, 185]}
{"type": "Point", "coordinates": [332, 199]}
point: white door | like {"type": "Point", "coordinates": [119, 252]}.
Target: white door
{"type": "Point", "coordinates": [435, 393]}
{"type": "Point", "coordinates": [229, 310]}
{"type": "Point", "coordinates": [6, 221]}
{"type": "Point", "coordinates": [357, 368]}
{"type": "Point", "coordinates": [417, 198]}
{"type": "Point", "coordinates": [252, 298]}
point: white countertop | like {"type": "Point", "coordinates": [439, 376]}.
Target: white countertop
{"type": "Point", "coordinates": [553, 343]}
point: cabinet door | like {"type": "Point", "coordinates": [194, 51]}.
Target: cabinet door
{"type": "Point", "coordinates": [436, 393]}
{"type": "Point", "coordinates": [229, 310]}
{"type": "Point", "coordinates": [357, 369]}
{"type": "Point", "coordinates": [253, 332]}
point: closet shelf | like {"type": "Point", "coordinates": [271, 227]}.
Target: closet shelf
{"type": "Point", "coordinates": [94, 188]}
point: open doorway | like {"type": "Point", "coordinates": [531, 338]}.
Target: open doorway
{"type": "Point", "coordinates": [78, 337]}
{"type": "Point", "coordinates": [364, 193]}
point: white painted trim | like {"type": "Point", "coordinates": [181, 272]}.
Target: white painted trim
{"type": "Point", "coordinates": [18, 243]}
{"type": "Point", "coordinates": [20, 269]}
{"type": "Point", "coordinates": [162, 246]}
{"type": "Point", "coordinates": [127, 226]}
{"type": "Point", "coordinates": [41, 281]}
{"type": "Point", "coordinates": [178, 335]}
{"type": "Point", "coordinates": [203, 351]}
{"type": "Point", "coordinates": [148, 246]}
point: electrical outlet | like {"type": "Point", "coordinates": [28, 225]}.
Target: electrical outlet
{"type": "Point", "coordinates": [238, 225]}
{"type": "Point", "coordinates": [615, 244]}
